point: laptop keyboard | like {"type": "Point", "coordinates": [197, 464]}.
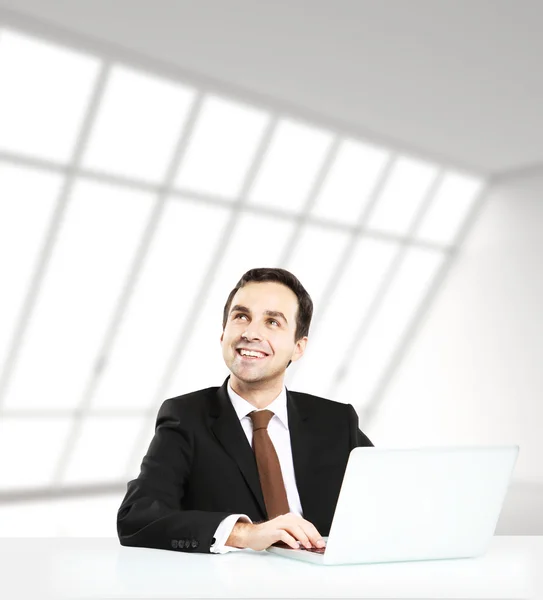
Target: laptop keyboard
{"type": "Point", "coordinates": [314, 550]}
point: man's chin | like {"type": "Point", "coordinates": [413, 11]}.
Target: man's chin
{"type": "Point", "coordinates": [248, 373]}
{"type": "Point", "coordinates": [248, 376]}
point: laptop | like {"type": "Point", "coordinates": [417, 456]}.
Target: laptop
{"type": "Point", "coordinates": [414, 504]}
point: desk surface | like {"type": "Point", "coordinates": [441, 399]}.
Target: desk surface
{"type": "Point", "coordinates": [102, 568]}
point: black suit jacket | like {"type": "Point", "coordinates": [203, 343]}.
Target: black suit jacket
{"type": "Point", "coordinates": [200, 468]}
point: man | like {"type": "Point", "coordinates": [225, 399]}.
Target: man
{"type": "Point", "coordinates": [250, 463]}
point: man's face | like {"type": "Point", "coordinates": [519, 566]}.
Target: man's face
{"type": "Point", "coordinates": [258, 339]}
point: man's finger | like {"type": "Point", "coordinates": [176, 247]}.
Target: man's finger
{"type": "Point", "coordinates": [310, 537]}
{"type": "Point", "coordinates": [284, 536]}
{"type": "Point", "coordinates": [298, 532]}
{"type": "Point", "coordinates": [314, 536]}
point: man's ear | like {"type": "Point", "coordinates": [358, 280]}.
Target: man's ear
{"type": "Point", "coordinates": [299, 349]}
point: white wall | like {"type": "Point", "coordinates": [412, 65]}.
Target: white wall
{"type": "Point", "coordinates": [474, 372]}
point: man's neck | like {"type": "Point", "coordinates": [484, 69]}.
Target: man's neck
{"type": "Point", "coordinates": [259, 394]}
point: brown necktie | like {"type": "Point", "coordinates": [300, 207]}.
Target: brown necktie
{"type": "Point", "coordinates": [269, 469]}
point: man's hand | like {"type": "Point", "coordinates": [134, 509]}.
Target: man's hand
{"type": "Point", "coordinates": [289, 528]}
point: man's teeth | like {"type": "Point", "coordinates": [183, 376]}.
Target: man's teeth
{"type": "Point", "coordinates": [252, 353]}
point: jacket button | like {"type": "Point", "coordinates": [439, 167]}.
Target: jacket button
{"type": "Point", "coordinates": [194, 543]}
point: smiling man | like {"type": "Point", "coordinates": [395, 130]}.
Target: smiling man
{"type": "Point", "coordinates": [250, 463]}
{"type": "Point", "coordinates": [258, 340]}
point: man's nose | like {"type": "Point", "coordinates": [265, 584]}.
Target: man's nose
{"type": "Point", "coordinates": [251, 333]}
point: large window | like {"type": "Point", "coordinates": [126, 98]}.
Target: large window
{"type": "Point", "coordinates": [130, 204]}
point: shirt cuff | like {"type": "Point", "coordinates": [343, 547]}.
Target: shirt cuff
{"type": "Point", "coordinates": [223, 533]}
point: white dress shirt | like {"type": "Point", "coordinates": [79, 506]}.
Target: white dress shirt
{"type": "Point", "coordinates": [280, 437]}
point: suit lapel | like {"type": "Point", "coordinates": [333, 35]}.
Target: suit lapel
{"type": "Point", "coordinates": [301, 444]}
{"type": "Point", "coordinates": [229, 432]}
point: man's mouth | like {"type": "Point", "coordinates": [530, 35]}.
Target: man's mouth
{"type": "Point", "coordinates": [251, 354]}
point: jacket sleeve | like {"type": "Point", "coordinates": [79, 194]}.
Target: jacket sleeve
{"type": "Point", "coordinates": [150, 514]}
{"type": "Point", "coordinates": [356, 436]}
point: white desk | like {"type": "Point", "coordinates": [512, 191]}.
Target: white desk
{"type": "Point", "coordinates": [102, 568]}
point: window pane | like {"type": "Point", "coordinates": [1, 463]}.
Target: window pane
{"type": "Point", "coordinates": [222, 147]}
{"type": "Point", "coordinates": [140, 120]}
{"type": "Point", "coordinates": [103, 449]}
{"type": "Point", "coordinates": [290, 167]}
{"type": "Point", "coordinates": [350, 182]}
{"type": "Point", "coordinates": [256, 242]}
{"type": "Point", "coordinates": [62, 518]}
{"type": "Point", "coordinates": [316, 257]}
{"type": "Point", "coordinates": [406, 189]}
{"type": "Point", "coordinates": [30, 449]}
{"type": "Point", "coordinates": [88, 267]}
{"type": "Point", "coordinates": [333, 334]}
{"type": "Point", "coordinates": [371, 358]}
{"type": "Point", "coordinates": [142, 443]}
{"type": "Point", "coordinates": [27, 200]}
{"type": "Point", "coordinates": [45, 90]}
{"type": "Point", "coordinates": [447, 213]}
{"type": "Point", "coordinates": [162, 298]}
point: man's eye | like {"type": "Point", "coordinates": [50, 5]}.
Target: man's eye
{"type": "Point", "coordinates": [274, 321]}
{"type": "Point", "coordinates": [240, 315]}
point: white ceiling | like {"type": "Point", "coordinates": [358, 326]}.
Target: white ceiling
{"type": "Point", "coordinates": [458, 81]}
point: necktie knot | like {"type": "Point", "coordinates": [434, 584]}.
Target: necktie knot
{"type": "Point", "coordinates": [261, 418]}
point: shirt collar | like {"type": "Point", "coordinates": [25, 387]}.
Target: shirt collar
{"type": "Point", "coordinates": [277, 406]}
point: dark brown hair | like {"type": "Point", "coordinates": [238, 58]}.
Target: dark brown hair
{"type": "Point", "coordinates": [305, 304]}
